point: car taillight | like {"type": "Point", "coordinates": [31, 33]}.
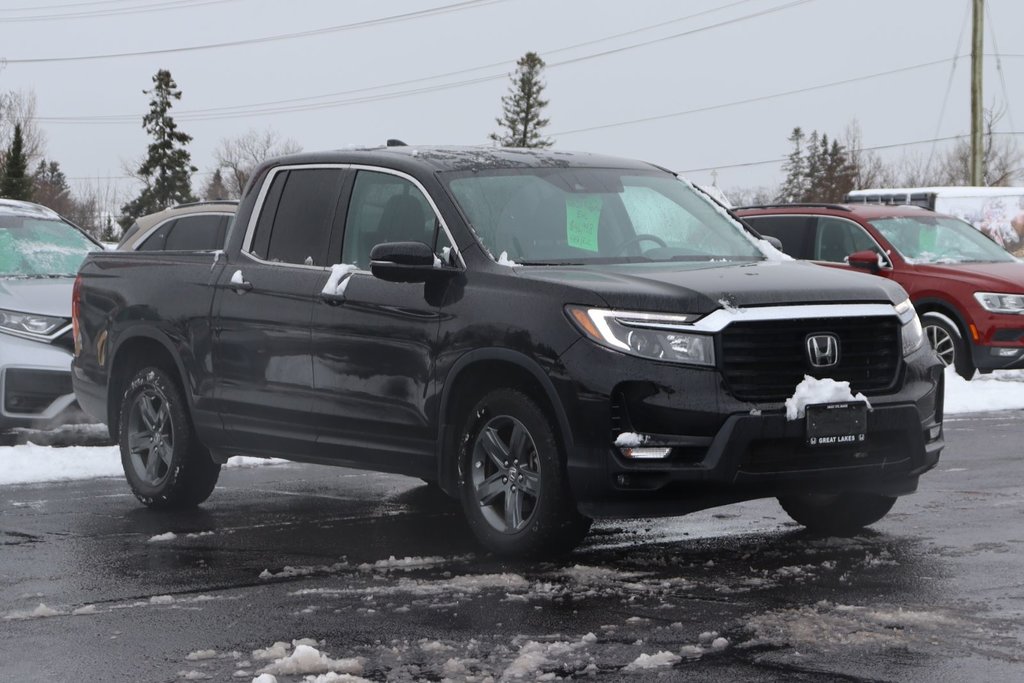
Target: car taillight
{"type": "Point", "coordinates": [76, 293]}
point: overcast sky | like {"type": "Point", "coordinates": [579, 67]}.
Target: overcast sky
{"type": "Point", "coordinates": [610, 65]}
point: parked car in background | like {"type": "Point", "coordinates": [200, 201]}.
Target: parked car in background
{"type": "Point", "coordinates": [199, 226]}
{"type": "Point", "coordinates": [967, 289]}
{"type": "Point", "coordinates": [40, 253]}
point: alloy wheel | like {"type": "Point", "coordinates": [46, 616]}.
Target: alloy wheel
{"type": "Point", "coordinates": [506, 474]}
{"type": "Point", "coordinates": [150, 437]}
{"type": "Point", "coordinates": [942, 342]}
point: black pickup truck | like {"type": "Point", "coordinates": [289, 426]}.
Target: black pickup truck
{"type": "Point", "coordinates": [549, 336]}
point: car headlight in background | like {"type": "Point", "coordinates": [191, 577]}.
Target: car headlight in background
{"type": "Point", "coordinates": [654, 336]}
{"type": "Point", "coordinates": [30, 324]}
{"type": "Point", "coordinates": [912, 333]}
{"type": "Point", "coordinates": [1000, 303]}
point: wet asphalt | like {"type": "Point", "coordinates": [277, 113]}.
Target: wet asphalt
{"type": "Point", "coordinates": [934, 592]}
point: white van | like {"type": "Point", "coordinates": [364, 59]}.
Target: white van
{"type": "Point", "coordinates": [996, 211]}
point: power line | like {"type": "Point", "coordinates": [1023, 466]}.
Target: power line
{"type": "Point", "coordinates": [115, 11]}
{"type": "Point", "coordinates": [292, 105]}
{"type": "Point", "coordinates": [873, 148]}
{"type": "Point", "coordinates": [65, 5]}
{"type": "Point", "coordinates": [949, 83]}
{"type": "Point", "coordinates": [999, 63]}
{"type": "Point", "coordinates": [750, 100]}
{"type": "Point", "coordinates": [394, 18]}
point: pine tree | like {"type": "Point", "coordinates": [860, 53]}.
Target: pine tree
{"type": "Point", "coordinates": [215, 188]}
{"type": "Point", "coordinates": [50, 188]}
{"type": "Point", "coordinates": [167, 169]}
{"type": "Point", "coordinates": [794, 187]}
{"type": "Point", "coordinates": [16, 184]}
{"type": "Point", "coordinates": [814, 167]}
{"type": "Point", "coordinates": [521, 109]}
{"type": "Point", "coordinates": [107, 234]}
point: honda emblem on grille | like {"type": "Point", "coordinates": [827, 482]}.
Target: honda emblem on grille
{"type": "Point", "coordinates": [823, 350]}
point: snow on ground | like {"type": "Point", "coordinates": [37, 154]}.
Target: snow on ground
{"type": "Point", "coordinates": [33, 463]}
{"type": "Point", "coordinates": [30, 463]}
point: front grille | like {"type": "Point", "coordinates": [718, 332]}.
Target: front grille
{"type": "Point", "coordinates": [29, 392]}
{"type": "Point", "coordinates": [765, 360]}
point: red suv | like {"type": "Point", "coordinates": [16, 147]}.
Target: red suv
{"type": "Point", "coordinates": [967, 289]}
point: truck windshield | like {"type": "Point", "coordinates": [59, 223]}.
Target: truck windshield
{"type": "Point", "coordinates": [939, 239]}
{"type": "Point", "coordinates": [543, 216]}
{"type": "Point", "coordinates": [39, 247]}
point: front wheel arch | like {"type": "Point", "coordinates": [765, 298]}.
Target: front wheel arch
{"type": "Point", "coordinates": [472, 376]}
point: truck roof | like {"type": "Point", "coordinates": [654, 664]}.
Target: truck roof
{"type": "Point", "coordinates": [444, 158]}
{"type": "Point", "coordinates": [942, 191]}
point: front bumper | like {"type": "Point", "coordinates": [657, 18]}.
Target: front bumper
{"type": "Point", "coordinates": [35, 384]}
{"type": "Point", "coordinates": [724, 450]}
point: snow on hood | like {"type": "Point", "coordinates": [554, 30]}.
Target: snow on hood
{"type": "Point", "coordinates": [45, 296]}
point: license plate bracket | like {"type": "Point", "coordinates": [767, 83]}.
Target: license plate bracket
{"type": "Point", "coordinates": [837, 424]}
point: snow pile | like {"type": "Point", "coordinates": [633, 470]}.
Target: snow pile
{"type": "Point", "coordinates": [38, 613]}
{"type": "Point", "coordinates": [1002, 390]}
{"type": "Point", "coordinates": [306, 659]}
{"type": "Point", "coordinates": [630, 440]}
{"type": "Point", "coordinates": [811, 391]}
{"type": "Point", "coordinates": [404, 563]}
{"type": "Point", "coordinates": [169, 536]}
{"type": "Point", "coordinates": [338, 281]}
{"type": "Point", "coordinates": [200, 655]}
{"type": "Point", "coordinates": [536, 656]}
{"type": "Point", "coordinates": [504, 260]}
{"type": "Point", "coordinates": [289, 572]}
{"type": "Point", "coordinates": [658, 660]}
{"type": "Point", "coordinates": [236, 277]}
{"type": "Point", "coordinates": [771, 252]}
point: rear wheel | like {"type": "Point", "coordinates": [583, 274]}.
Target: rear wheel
{"type": "Point", "coordinates": [838, 514]}
{"type": "Point", "coordinates": [948, 343]}
{"type": "Point", "coordinates": [512, 479]}
{"type": "Point", "coordinates": [164, 463]}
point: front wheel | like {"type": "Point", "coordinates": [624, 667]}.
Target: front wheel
{"type": "Point", "coordinates": [164, 463]}
{"type": "Point", "coordinates": [512, 480]}
{"type": "Point", "coordinates": [837, 514]}
{"type": "Point", "coordinates": [948, 343]}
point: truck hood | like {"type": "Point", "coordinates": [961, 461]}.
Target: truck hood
{"type": "Point", "coordinates": [1007, 278]}
{"type": "Point", "coordinates": [705, 287]}
{"type": "Point", "coordinates": [45, 296]}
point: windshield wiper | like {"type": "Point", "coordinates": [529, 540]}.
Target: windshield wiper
{"type": "Point", "coordinates": [549, 263]}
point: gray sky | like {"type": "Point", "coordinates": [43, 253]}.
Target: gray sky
{"type": "Point", "coordinates": [763, 48]}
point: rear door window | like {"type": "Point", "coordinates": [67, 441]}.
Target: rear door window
{"type": "Point", "coordinates": [294, 225]}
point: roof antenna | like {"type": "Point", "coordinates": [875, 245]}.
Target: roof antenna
{"type": "Point", "coordinates": [395, 142]}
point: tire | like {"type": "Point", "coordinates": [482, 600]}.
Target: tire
{"type": "Point", "coordinates": [512, 479]}
{"type": "Point", "coordinates": [838, 514]}
{"type": "Point", "coordinates": [165, 465]}
{"type": "Point", "coordinates": [948, 343]}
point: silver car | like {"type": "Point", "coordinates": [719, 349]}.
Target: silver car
{"type": "Point", "coordinates": [39, 256]}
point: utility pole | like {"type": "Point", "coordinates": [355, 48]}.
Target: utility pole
{"type": "Point", "coordinates": [977, 172]}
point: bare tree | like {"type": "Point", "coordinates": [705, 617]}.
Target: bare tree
{"type": "Point", "coordinates": [240, 156]}
{"type": "Point", "coordinates": [96, 205]}
{"type": "Point", "coordinates": [19, 107]}
{"type": "Point", "coordinates": [1002, 162]}
{"type": "Point", "coordinates": [868, 168]}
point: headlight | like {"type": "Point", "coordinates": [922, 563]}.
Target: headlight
{"type": "Point", "coordinates": [913, 335]}
{"type": "Point", "coordinates": [647, 335]}
{"type": "Point", "coordinates": [30, 324]}
{"type": "Point", "coordinates": [1000, 303]}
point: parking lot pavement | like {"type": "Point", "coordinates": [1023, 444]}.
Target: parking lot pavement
{"type": "Point", "coordinates": [375, 576]}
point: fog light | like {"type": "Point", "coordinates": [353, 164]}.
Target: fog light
{"type": "Point", "coordinates": [1005, 353]}
{"type": "Point", "coordinates": [648, 453]}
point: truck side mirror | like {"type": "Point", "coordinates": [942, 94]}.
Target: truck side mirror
{"type": "Point", "coordinates": [404, 262]}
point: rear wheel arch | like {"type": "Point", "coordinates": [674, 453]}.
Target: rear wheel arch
{"type": "Point", "coordinates": [131, 354]}
{"type": "Point", "coordinates": [470, 378]}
